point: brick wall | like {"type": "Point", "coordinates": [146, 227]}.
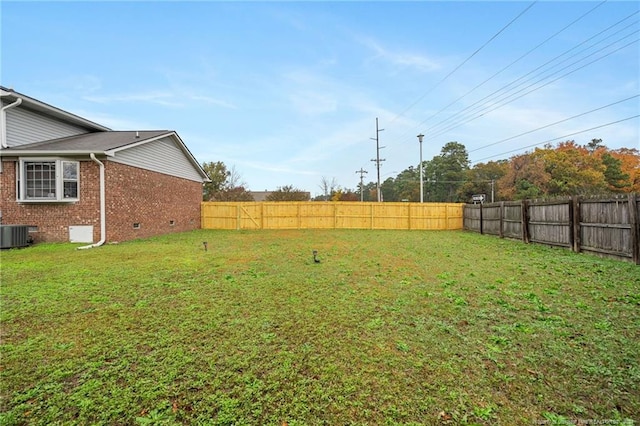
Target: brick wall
{"type": "Point", "coordinates": [52, 219]}
{"type": "Point", "coordinates": [158, 203]}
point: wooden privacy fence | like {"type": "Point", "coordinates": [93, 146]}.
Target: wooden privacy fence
{"type": "Point", "coordinates": [604, 226]}
{"type": "Point", "coordinates": [331, 215]}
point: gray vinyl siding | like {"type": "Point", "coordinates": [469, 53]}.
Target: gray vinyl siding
{"type": "Point", "coordinates": [163, 156]}
{"type": "Point", "coordinates": [25, 126]}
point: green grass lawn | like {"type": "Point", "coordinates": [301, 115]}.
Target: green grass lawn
{"type": "Point", "coordinates": [392, 327]}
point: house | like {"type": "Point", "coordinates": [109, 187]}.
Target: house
{"type": "Point", "coordinates": [70, 179]}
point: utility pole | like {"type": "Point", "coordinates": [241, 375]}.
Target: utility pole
{"type": "Point", "coordinates": [378, 159]}
{"type": "Point", "coordinates": [493, 182]}
{"type": "Point", "coordinates": [420, 136]}
{"type": "Point", "coordinates": [362, 173]}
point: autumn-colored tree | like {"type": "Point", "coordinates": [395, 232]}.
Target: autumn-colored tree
{"type": "Point", "coordinates": [226, 184]}
{"type": "Point", "coordinates": [629, 166]}
{"type": "Point", "coordinates": [482, 178]}
{"type": "Point", "coordinates": [572, 170]}
{"type": "Point", "coordinates": [288, 193]}
{"type": "Point", "coordinates": [236, 193]}
{"type": "Point", "coordinates": [525, 178]}
{"type": "Point", "coordinates": [344, 195]}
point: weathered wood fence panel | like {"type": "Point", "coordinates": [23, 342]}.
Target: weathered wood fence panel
{"type": "Point", "coordinates": [512, 220]}
{"type": "Point", "coordinates": [492, 219]}
{"type": "Point", "coordinates": [607, 227]}
{"type": "Point", "coordinates": [331, 215]}
{"type": "Point", "coordinates": [549, 223]}
{"type": "Point", "coordinates": [472, 220]}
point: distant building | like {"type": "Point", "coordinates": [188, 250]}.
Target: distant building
{"type": "Point", "coordinates": [260, 195]}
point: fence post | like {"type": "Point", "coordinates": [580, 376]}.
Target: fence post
{"type": "Point", "coordinates": [635, 228]}
{"type": "Point", "coordinates": [525, 221]}
{"type": "Point", "coordinates": [501, 217]}
{"type": "Point", "coordinates": [238, 217]}
{"type": "Point", "coordinates": [575, 224]}
{"type": "Point", "coordinates": [481, 226]}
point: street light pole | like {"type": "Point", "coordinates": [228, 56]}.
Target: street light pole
{"type": "Point", "coordinates": [420, 136]}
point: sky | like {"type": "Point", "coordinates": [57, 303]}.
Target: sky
{"type": "Point", "coordinates": [288, 93]}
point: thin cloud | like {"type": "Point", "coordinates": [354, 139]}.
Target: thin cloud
{"type": "Point", "coordinates": [173, 99]}
{"type": "Point", "coordinates": [157, 97]}
{"type": "Point", "coordinates": [399, 58]}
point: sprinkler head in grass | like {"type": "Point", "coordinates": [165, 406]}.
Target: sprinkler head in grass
{"type": "Point", "coordinates": [315, 256]}
{"type": "Point", "coordinates": [204, 243]}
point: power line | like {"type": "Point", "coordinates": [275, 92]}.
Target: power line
{"type": "Point", "coordinates": [463, 116]}
{"type": "Point", "coordinates": [463, 62]}
{"type": "Point", "coordinates": [517, 60]}
{"type": "Point", "coordinates": [559, 137]}
{"type": "Point", "coordinates": [539, 87]}
{"type": "Point", "coordinates": [474, 108]}
{"type": "Point", "coordinates": [552, 124]}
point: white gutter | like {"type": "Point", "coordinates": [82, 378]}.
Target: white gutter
{"type": "Point", "coordinates": [16, 151]}
{"type": "Point", "coordinates": [103, 213]}
{"type": "Point", "coordinates": [3, 121]}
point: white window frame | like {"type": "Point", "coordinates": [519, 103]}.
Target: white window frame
{"type": "Point", "coordinates": [58, 196]}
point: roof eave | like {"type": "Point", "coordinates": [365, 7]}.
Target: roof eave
{"type": "Point", "coordinates": [56, 112]}
{"type": "Point", "coordinates": [49, 153]}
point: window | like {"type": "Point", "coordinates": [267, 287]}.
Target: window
{"type": "Point", "coordinates": [48, 180]}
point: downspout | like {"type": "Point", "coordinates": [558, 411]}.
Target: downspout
{"type": "Point", "coordinates": [103, 213]}
{"type": "Point", "coordinates": [3, 123]}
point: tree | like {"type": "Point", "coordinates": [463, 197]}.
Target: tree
{"type": "Point", "coordinates": [483, 178]}
{"type": "Point", "coordinates": [615, 178]}
{"type": "Point", "coordinates": [328, 187]}
{"type": "Point", "coordinates": [387, 190]}
{"type": "Point", "coordinates": [218, 174]}
{"type": "Point", "coordinates": [525, 178]}
{"type": "Point", "coordinates": [568, 169]}
{"type": "Point", "coordinates": [407, 185]}
{"type": "Point", "coordinates": [629, 166]}
{"type": "Point", "coordinates": [594, 145]}
{"type": "Point", "coordinates": [288, 193]}
{"type": "Point", "coordinates": [369, 192]}
{"type": "Point", "coordinates": [445, 173]}
{"type": "Point", "coordinates": [345, 195]}
{"type": "Point", "coordinates": [572, 170]}
{"type": "Point", "coordinates": [225, 185]}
